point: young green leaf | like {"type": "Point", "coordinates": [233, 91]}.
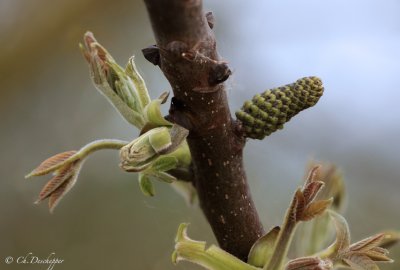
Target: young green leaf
{"type": "Point", "coordinates": [160, 141]}
{"type": "Point", "coordinates": [138, 81]}
{"type": "Point", "coordinates": [140, 154]}
{"type": "Point", "coordinates": [145, 185]}
{"type": "Point", "coordinates": [164, 163]}
{"type": "Point", "coordinates": [163, 176]}
{"type": "Point", "coordinates": [152, 112]}
{"type": "Point", "coordinates": [113, 82]}
{"type": "Point", "coordinates": [262, 249]}
{"type": "Point", "coordinates": [212, 258]}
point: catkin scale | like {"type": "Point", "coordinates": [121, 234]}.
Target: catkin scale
{"type": "Point", "coordinates": [268, 111]}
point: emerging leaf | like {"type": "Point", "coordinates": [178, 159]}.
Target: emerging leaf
{"type": "Point", "coordinates": [129, 96]}
{"type": "Point", "coordinates": [145, 185]}
{"type": "Point", "coordinates": [334, 185]}
{"type": "Point", "coordinates": [315, 209]}
{"type": "Point", "coordinates": [212, 258]}
{"type": "Point", "coordinates": [52, 163]}
{"type": "Point", "coordinates": [152, 112]}
{"type": "Point", "coordinates": [164, 163]}
{"type": "Point", "coordinates": [140, 154]}
{"type": "Point", "coordinates": [160, 141]}
{"type": "Point", "coordinates": [61, 176]}
{"type": "Point", "coordinates": [303, 207]}
{"type": "Point", "coordinates": [66, 167]}
{"type": "Point", "coordinates": [262, 249]}
{"type": "Point", "coordinates": [309, 263]}
{"type": "Point", "coordinates": [367, 243]}
{"type": "Point", "coordinates": [359, 256]}
{"type": "Point", "coordinates": [312, 174]}
{"type": "Point", "coordinates": [342, 241]}
{"type": "Point", "coordinates": [360, 262]}
{"type": "Point", "coordinates": [378, 254]}
{"type": "Point", "coordinates": [59, 193]}
{"type": "Point", "coordinates": [315, 235]}
{"type": "Point", "coordinates": [307, 207]}
{"type": "Point", "coordinates": [311, 190]}
{"type": "Point", "coordinates": [138, 81]}
{"type": "Point", "coordinates": [165, 177]}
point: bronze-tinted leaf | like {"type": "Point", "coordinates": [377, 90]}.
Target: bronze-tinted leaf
{"type": "Point", "coordinates": [380, 250]}
{"type": "Point", "coordinates": [64, 188]}
{"type": "Point", "coordinates": [360, 262]}
{"type": "Point", "coordinates": [309, 263]}
{"type": "Point", "coordinates": [311, 190]}
{"type": "Point", "coordinates": [56, 196]}
{"type": "Point", "coordinates": [51, 164]}
{"type": "Point", "coordinates": [63, 175]}
{"type": "Point", "coordinates": [315, 209]}
{"type": "Point", "coordinates": [334, 185]}
{"type": "Point", "coordinates": [312, 174]}
{"type": "Point", "coordinates": [378, 254]}
{"type": "Point", "coordinates": [301, 204]}
{"type": "Point", "coordinates": [367, 243]}
{"type": "Point", "coordinates": [291, 214]}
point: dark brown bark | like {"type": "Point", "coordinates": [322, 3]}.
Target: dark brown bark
{"type": "Point", "coordinates": [186, 53]}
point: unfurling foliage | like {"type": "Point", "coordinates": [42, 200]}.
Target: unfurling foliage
{"type": "Point", "coordinates": [161, 152]}
{"type": "Point", "coordinates": [270, 252]}
{"type": "Point", "coordinates": [160, 149]}
{"type": "Point", "coordinates": [66, 167]}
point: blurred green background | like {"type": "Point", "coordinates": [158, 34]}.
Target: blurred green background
{"type": "Point", "coordinates": [48, 105]}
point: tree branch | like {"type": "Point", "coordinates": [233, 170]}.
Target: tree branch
{"type": "Point", "coordinates": [186, 53]}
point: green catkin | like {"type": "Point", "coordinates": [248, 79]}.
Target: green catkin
{"type": "Point", "coordinates": [268, 111]}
